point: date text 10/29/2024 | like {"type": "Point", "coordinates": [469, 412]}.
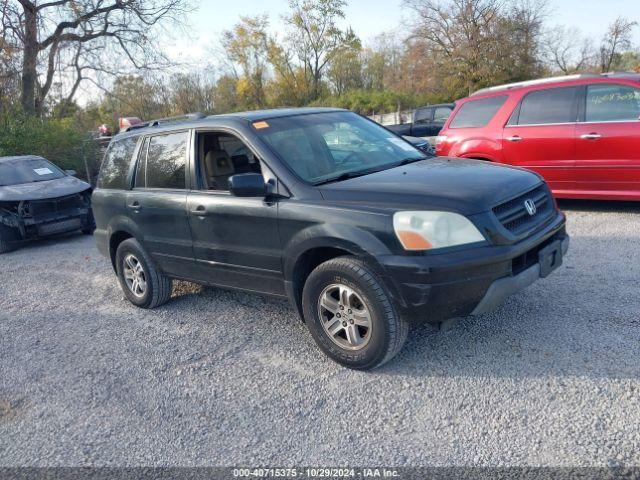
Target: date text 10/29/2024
{"type": "Point", "coordinates": [315, 473]}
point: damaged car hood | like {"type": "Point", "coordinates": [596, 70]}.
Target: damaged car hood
{"type": "Point", "coordinates": [59, 187]}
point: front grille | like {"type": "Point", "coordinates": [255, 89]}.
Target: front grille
{"type": "Point", "coordinates": [513, 214]}
{"type": "Point", "coordinates": [55, 205]}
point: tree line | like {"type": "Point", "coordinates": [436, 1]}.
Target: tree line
{"type": "Point", "coordinates": [51, 50]}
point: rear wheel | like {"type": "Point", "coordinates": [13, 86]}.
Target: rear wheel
{"type": "Point", "coordinates": [350, 315]}
{"type": "Point", "coordinates": [142, 282]}
{"type": "Point", "coordinates": [8, 238]}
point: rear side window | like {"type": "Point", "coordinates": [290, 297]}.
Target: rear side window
{"type": "Point", "coordinates": [441, 114]}
{"type": "Point", "coordinates": [167, 160]}
{"type": "Point", "coordinates": [423, 115]}
{"type": "Point", "coordinates": [477, 113]}
{"type": "Point", "coordinates": [553, 105]}
{"type": "Point", "coordinates": [115, 165]}
{"type": "Point", "coordinates": [607, 103]}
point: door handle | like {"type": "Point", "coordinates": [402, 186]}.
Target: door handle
{"type": "Point", "coordinates": [515, 138]}
{"type": "Point", "coordinates": [200, 210]}
{"type": "Point", "coordinates": [591, 136]}
{"type": "Point", "coordinates": [135, 205]}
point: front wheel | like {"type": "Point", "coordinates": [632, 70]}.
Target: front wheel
{"type": "Point", "coordinates": [142, 282]}
{"type": "Point", "coordinates": [350, 315]}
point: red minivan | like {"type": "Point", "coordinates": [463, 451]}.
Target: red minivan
{"type": "Point", "coordinates": [580, 132]}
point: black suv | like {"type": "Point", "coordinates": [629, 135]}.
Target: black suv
{"type": "Point", "coordinates": [349, 221]}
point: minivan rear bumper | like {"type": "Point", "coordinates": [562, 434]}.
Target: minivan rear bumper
{"type": "Point", "coordinates": [432, 288]}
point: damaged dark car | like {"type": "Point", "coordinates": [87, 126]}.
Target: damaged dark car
{"type": "Point", "coordinates": [38, 199]}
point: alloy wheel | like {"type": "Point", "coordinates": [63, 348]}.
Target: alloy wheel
{"type": "Point", "coordinates": [134, 275]}
{"type": "Point", "coordinates": [345, 317]}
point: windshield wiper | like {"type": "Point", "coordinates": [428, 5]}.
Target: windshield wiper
{"type": "Point", "coordinates": [345, 176]}
{"type": "Point", "coordinates": [408, 160]}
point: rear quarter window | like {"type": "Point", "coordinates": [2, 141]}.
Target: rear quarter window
{"type": "Point", "coordinates": [115, 166]}
{"type": "Point", "coordinates": [477, 113]}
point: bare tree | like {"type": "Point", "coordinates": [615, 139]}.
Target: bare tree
{"type": "Point", "coordinates": [568, 51]}
{"type": "Point", "coordinates": [71, 32]}
{"type": "Point", "coordinates": [616, 40]}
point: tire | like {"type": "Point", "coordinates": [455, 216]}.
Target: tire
{"type": "Point", "coordinates": [345, 282]}
{"type": "Point", "coordinates": [157, 286]}
{"type": "Point", "coordinates": [9, 238]}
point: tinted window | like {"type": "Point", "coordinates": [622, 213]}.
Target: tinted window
{"type": "Point", "coordinates": [166, 161]}
{"type": "Point", "coordinates": [477, 113]}
{"type": "Point", "coordinates": [441, 115]}
{"type": "Point", "coordinates": [27, 170]}
{"type": "Point", "coordinates": [115, 165]}
{"type": "Point", "coordinates": [554, 105]}
{"type": "Point", "coordinates": [607, 103]}
{"type": "Point", "coordinates": [423, 115]}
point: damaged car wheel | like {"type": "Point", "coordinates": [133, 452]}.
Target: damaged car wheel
{"type": "Point", "coordinates": [8, 239]}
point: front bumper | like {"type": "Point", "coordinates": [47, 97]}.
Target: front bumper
{"type": "Point", "coordinates": [507, 286]}
{"type": "Point", "coordinates": [434, 287]}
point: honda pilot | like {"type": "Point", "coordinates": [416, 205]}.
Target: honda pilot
{"type": "Point", "coordinates": [362, 232]}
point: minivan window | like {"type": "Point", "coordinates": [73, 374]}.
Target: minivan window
{"type": "Point", "coordinates": [607, 103]}
{"type": "Point", "coordinates": [477, 113]}
{"type": "Point", "coordinates": [115, 165]}
{"type": "Point", "coordinates": [553, 105]}
{"type": "Point", "coordinates": [166, 161]}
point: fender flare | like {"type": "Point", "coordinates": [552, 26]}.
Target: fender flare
{"type": "Point", "coordinates": [352, 239]}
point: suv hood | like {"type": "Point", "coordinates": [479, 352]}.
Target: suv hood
{"type": "Point", "coordinates": [59, 187]}
{"type": "Point", "coordinates": [450, 184]}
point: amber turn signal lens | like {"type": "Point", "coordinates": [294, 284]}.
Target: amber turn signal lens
{"type": "Point", "coordinates": [413, 241]}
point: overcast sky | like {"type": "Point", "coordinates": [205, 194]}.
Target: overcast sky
{"type": "Point", "coordinates": [370, 17]}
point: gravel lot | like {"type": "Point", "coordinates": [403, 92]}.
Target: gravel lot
{"type": "Point", "coordinates": [224, 378]}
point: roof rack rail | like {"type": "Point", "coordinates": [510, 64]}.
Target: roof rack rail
{"type": "Point", "coordinates": [539, 81]}
{"type": "Point", "coordinates": [620, 74]}
{"type": "Point", "coordinates": [168, 120]}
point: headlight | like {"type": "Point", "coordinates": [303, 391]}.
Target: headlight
{"type": "Point", "coordinates": [429, 230]}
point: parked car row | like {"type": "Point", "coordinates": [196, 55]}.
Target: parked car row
{"type": "Point", "coordinates": [360, 226]}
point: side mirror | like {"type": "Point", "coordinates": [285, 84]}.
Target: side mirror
{"type": "Point", "coordinates": [247, 185]}
{"type": "Point", "coordinates": [71, 173]}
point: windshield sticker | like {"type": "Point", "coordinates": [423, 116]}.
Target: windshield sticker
{"type": "Point", "coordinates": [402, 144]}
{"type": "Point", "coordinates": [42, 171]}
{"type": "Point", "coordinates": [260, 125]}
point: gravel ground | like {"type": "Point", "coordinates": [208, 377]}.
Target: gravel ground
{"type": "Point", "coordinates": [223, 378]}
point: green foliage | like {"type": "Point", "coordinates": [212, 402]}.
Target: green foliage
{"type": "Point", "coordinates": [59, 140]}
{"type": "Point", "coordinates": [368, 102]}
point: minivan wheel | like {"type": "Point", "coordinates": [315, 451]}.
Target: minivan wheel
{"type": "Point", "coordinates": [8, 239]}
{"type": "Point", "coordinates": [350, 315]}
{"type": "Point", "coordinates": [141, 281]}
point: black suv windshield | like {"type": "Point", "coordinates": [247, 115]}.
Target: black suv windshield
{"type": "Point", "coordinates": [27, 170]}
{"type": "Point", "coordinates": [325, 147]}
